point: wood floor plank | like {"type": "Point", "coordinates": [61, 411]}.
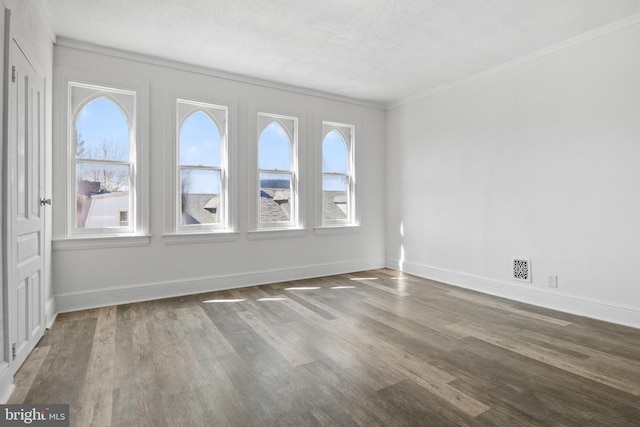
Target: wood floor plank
{"type": "Point", "coordinates": [283, 340]}
{"type": "Point", "coordinates": [552, 358]}
{"type": "Point", "coordinates": [312, 306]}
{"type": "Point", "coordinates": [533, 391]}
{"type": "Point", "coordinates": [340, 381]}
{"type": "Point", "coordinates": [628, 368]}
{"type": "Point", "coordinates": [202, 334]}
{"type": "Point", "coordinates": [129, 408]}
{"type": "Point", "coordinates": [377, 286]}
{"type": "Point", "coordinates": [346, 414]}
{"type": "Point", "coordinates": [497, 376]}
{"type": "Point", "coordinates": [320, 305]}
{"type": "Point", "coordinates": [261, 404]}
{"type": "Point", "coordinates": [62, 375]}
{"type": "Point", "coordinates": [224, 395]}
{"type": "Point", "coordinates": [97, 391]}
{"type": "Point", "coordinates": [124, 353]}
{"type": "Point", "coordinates": [370, 348]}
{"type": "Point", "coordinates": [175, 363]}
{"type": "Point", "coordinates": [26, 375]}
{"type": "Point", "coordinates": [193, 407]}
{"type": "Point", "coordinates": [489, 302]}
{"type": "Point", "coordinates": [407, 404]}
{"type": "Point", "coordinates": [305, 310]}
{"type": "Point", "coordinates": [417, 370]}
{"type": "Point", "coordinates": [403, 323]}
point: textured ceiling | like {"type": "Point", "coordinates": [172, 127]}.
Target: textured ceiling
{"type": "Point", "coordinates": [374, 50]}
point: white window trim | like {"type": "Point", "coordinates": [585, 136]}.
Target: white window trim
{"type": "Point", "coordinates": [65, 237]}
{"type": "Point", "coordinates": [276, 233]}
{"type": "Point", "coordinates": [258, 231]}
{"type": "Point", "coordinates": [190, 238]}
{"type": "Point", "coordinates": [333, 230]}
{"type": "Point", "coordinates": [175, 233]}
{"type": "Point", "coordinates": [223, 128]}
{"type": "Point", "coordinates": [351, 222]}
{"type": "Point", "coordinates": [109, 93]}
{"type": "Point", "coordinates": [100, 242]}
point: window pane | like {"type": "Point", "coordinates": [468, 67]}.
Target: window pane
{"type": "Point", "coordinates": [199, 141]}
{"type": "Point", "coordinates": [335, 156]}
{"type": "Point", "coordinates": [102, 193]}
{"type": "Point", "coordinates": [335, 197]}
{"type": "Point", "coordinates": [275, 197]}
{"type": "Point", "coordinates": [274, 148]}
{"type": "Point", "coordinates": [200, 196]}
{"type": "Point", "coordinates": [102, 132]}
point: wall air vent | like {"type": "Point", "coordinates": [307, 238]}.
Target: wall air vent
{"type": "Point", "coordinates": [521, 269]}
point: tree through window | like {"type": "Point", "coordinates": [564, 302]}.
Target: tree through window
{"type": "Point", "coordinates": [103, 165]}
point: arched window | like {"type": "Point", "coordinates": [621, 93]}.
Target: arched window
{"type": "Point", "coordinates": [337, 174]}
{"type": "Point", "coordinates": [277, 170]}
{"type": "Point", "coordinates": [202, 166]}
{"type": "Point", "coordinates": [103, 147]}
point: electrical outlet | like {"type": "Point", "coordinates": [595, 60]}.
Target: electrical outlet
{"type": "Point", "coordinates": [552, 281]}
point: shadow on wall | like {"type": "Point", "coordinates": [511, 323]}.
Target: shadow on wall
{"type": "Point", "coordinates": [401, 263]}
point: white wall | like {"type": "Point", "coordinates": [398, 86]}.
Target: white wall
{"type": "Point", "coordinates": [103, 276]}
{"type": "Point", "coordinates": [540, 160]}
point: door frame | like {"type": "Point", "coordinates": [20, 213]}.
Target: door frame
{"type": "Point", "coordinates": [6, 376]}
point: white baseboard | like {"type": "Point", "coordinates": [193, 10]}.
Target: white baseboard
{"type": "Point", "coordinates": [548, 298]}
{"type": "Point", "coordinates": [149, 291]}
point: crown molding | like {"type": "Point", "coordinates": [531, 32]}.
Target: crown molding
{"type": "Point", "coordinates": [168, 63]}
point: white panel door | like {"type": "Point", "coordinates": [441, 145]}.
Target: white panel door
{"type": "Point", "coordinates": [25, 234]}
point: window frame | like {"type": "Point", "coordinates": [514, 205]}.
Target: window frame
{"type": "Point", "coordinates": [95, 91]}
{"type": "Point", "coordinates": [126, 216]}
{"type": "Point", "coordinates": [223, 128]}
{"type": "Point", "coordinates": [348, 134]}
{"type": "Point", "coordinates": [263, 120]}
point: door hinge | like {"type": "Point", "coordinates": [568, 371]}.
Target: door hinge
{"type": "Point", "coordinates": [13, 73]}
{"type": "Point", "coordinates": [13, 351]}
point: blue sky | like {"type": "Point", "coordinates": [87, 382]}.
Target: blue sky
{"type": "Point", "coordinates": [274, 148]}
{"type": "Point", "coordinates": [199, 141]}
{"type": "Point", "coordinates": [335, 159]}
{"type": "Point", "coordinates": [200, 145]}
{"type": "Point", "coordinates": [99, 120]}
{"type": "Point", "coordinates": [334, 154]}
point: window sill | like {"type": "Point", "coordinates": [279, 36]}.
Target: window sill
{"type": "Point", "coordinates": [337, 229]}
{"type": "Point", "coordinates": [191, 238]}
{"type": "Point", "coordinates": [276, 233]}
{"type": "Point", "coordinates": [101, 242]}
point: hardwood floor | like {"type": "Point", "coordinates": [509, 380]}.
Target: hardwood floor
{"type": "Point", "coordinates": [370, 348]}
